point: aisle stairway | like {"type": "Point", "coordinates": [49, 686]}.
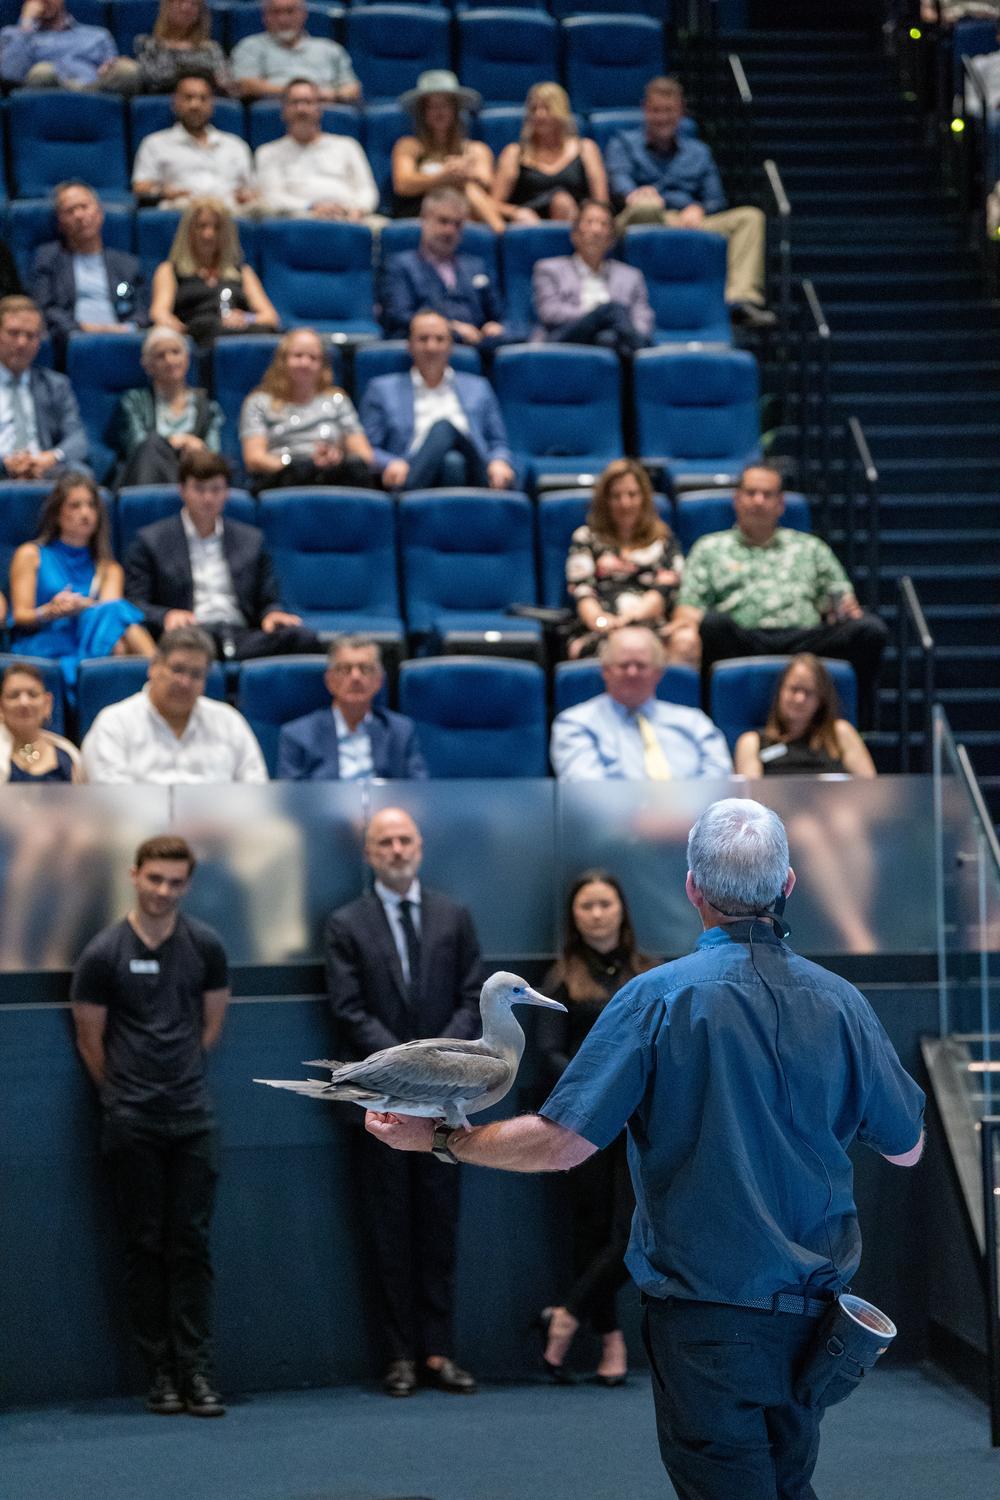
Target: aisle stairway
{"type": "Point", "coordinates": [915, 345]}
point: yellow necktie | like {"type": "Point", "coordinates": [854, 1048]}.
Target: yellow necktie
{"type": "Point", "coordinates": [656, 765]}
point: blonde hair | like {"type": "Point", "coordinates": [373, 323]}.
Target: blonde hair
{"type": "Point", "coordinates": [230, 256]}
{"type": "Point", "coordinates": [275, 382]}
{"type": "Point", "coordinates": [556, 97]}
{"type": "Point", "coordinates": [197, 33]}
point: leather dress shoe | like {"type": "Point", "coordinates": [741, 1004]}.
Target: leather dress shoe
{"type": "Point", "coordinates": [163, 1397]}
{"type": "Point", "coordinates": [400, 1378]}
{"type": "Point", "coordinates": [450, 1377]}
{"type": "Point", "coordinates": [200, 1400]}
{"type": "Point", "coordinates": [752, 316]}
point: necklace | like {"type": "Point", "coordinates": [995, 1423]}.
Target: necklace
{"type": "Point", "coordinates": [30, 752]}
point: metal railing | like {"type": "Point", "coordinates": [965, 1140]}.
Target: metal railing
{"type": "Point", "coordinates": [860, 474]}
{"type": "Point", "coordinates": [814, 391]}
{"type": "Point", "coordinates": [990, 1142]}
{"type": "Point", "coordinates": [911, 625]}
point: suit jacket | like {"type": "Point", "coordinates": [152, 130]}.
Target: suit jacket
{"type": "Point", "coordinates": [158, 570]}
{"type": "Point", "coordinates": [365, 978]}
{"type": "Point", "coordinates": [307, 748]}
{"type": "Point", "coordinates": [53, 287]}
{"type": "Point", "coordinates": [57, 417]}
{"type": "Point", "coordinates": [556, 290]}
{"type": "Point", "coordinates": [411, 284]}
{"type": "Point", "coordinates": [387, 416]}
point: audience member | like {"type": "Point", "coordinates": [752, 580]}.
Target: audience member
{"type": "Point", "coordinates": [434, 276]}
{"type": "Point", "coordinates": [355, 738]}
{"type": "Point", "coordinates": [402, 962]}
{"type": "Point", "coordinates": [626, 732]}
{"type": "Point", "coordinates": [200, 568]}
{"type": "Point", "coordinates": [181, 40]}
{"type": "Point", "coordinates": [551, 170]}
{"type": "Point", "coordinates": [441, 154]}
{"type": "Point", "coordinates": [311, 173]}
{"type": "Point", "coordinates": [160, 421]}
{"type": "Point", "coordinates": [78, 281]}
{"type": "Point", "coordinates": [760, 588]}
{"type": "Point", "coordinates": [49, 49]}
{"type": "Point", "coordinates": [170, 734]}
{"type": "Point", "coordinates": [264, 63]}
{"type": "Point", "coordinates": [298, 426]}
{"type": "Point", "coordinates": [149, 999]}
{"type": "Point", "coordinates": [192, 159]}
{"type": "Point", "coordinates": [40, 428]}
{"type": "Point", "coordinates": [29, 751]}
{"type": "Point", "coordinates": [804, 734]}
{"type": "Point", "coordinates": [204, 287]}
{"type": "Point", "coordinates": [66, 588]}
{"type": "Point", "coordinates": [599, 956]}
{"type": "Point", "coordinates": [624, 567]}
{"type": "Point", "coordinates": [434, 425]}
{"type": "Point", "coordinates": [662, 177]}
{"type": "Point", "coordinates": [588, 297]}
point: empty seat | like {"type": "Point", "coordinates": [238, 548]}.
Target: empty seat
{"type": "Point", "coordinates": [575, 681]}
{"type": "Point", "coordinates": [101, 367]}
{"type": "Point", "coordinates": [108, 679]}
{"type": "Point", "coordinates": [559, 514]}
{"type": "Point", "coordinates": [334, 553]}
{"type": "Point", "coordinates": [685, 273]}
{"type": "Point", "coordinates": [697, 413]}
{"type": "Point", "coordinates": [390, 45]}
{"type": "Point", "coordinates": [477, 717]}
{"type": "Point", "coordinates": [520, 247]}
{"type": "Point", "coordinates": [32, 222]}
{"type": "Point", "coordinates": [319, 274]}
{"type": "Point", "coordinates": [562, 408]}
{"type": "Point", "coordinates": [140, 505]}
{"type": "Point", "coordinates": [702, 511]}
{"type": "Point", "coordinates": [51, 674]}
{"type": "Point", "coordinates": [608, 60]}
{"type": "Point", "coordinates": [501, 53]}
{"type": "Point", "coordinates": [392, 356]}
{"type": "Point", "coordinates": [266, 124]}
{"type": "Point", "coordinates": [55, 134]}
{"type": "Point", "coordinates": [277, 689]}
{"type": "Point", "coordinates": [743, 687]}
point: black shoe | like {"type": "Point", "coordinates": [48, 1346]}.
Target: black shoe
{"type": "Point", "coordinates": [450, 1377]}
{"type": "Point", "coordinates": [610, 1381]}
{"type": "Point", "coordinates": [200, 1400]}
{"type": "Point", "coordinates": [400, 1378]}
{"type": "Point", "coordinates": [753, 316]}
{"type": "Point", "coordinates": [163, 1396]}
{"type": "Point", "coordinates": [558, 1374]}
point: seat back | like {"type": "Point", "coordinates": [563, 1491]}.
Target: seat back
{"type": "Point", "coordinates": [685, 274]}
{"type": "Point", "coordinates": [104, 680]}
{"type": "Point", "coordinates": [468, 552]}
{"type": "Point", "coordinates": [141, 505]}
{"type": "Point", "coordinates": [561, 401]}
{"type": "Point", "coordinates": [154, 234]}
{"type": "Point", "coordinates": [477, 716]}
{"type": "Point", "coordinates": [51, 674]}
{"type": "Point", "coordinates": [560, 512]}
{"type": "Point", "coordinates": [319, 274]}
{"type": "Point", "coordinates": [608, 60]}
{"type": "Point", "coordinates": [392, 357]}
{"type": "Point", "coordinates": [702, 511]}
{"type": "Point", "coordinates": [20, 511]}
{"type": "Point", "coordinates": [277, 689]}
{"type": "Point", "coordinates": [334, 551]}
{"type": "Point", "coordinates": [742, 690]}
{"type": "Point", "coordinates": [520, 246]}
{"type": "Point", "coordinates": [499, 125]}
{"type": "Point", "coordinates": [501, 53]}
{"type": "Point", "coordinates": [101, 367]}
{"type": "Point", "coordinates": [661, 9]}
{"type": "Point", "coordinates": [390, 45]}
{"type": "Point", "coordinates": [32, 222]}
{"type": "Point", "coordinates": [697, 404]}
{"type": "Point", "coordinates": [55, 133]}
{"type": "Point", "coordinates": [238, 364]}
{"type": "Point", "coordinates": [576, 681]}
{"type": "Point", "coordinates": [384, 125]}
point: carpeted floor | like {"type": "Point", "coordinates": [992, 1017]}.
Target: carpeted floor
{"type": "Point", "coordinates": [910, 1436]}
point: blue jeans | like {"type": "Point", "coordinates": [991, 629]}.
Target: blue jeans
{"type": "Point", "coordinates": [446, 457]}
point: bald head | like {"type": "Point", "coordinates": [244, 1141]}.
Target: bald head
{"type": "Point", "coordinates": [394, 848]}
{"type": "Point", "coordinates": [632, 661]}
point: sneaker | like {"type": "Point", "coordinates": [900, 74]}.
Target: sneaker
{"type": "Point", "coordinates": [200, 1400]}
{"type": "Point", "coordinates": [163, 1396]}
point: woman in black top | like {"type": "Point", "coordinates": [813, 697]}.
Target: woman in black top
{"type": "Point", "coordinates": [599, 956]}
{"type": "Point", "coordinates": [551, 170]}
{"type": "Point", "coordinates": [804, 734]}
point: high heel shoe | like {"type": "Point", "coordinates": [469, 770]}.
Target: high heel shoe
{"type": "Point", "coordinates": [558, 1374]}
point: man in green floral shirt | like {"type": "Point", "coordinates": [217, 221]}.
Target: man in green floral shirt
{"type": "Point", "coordinates": [763, 589]}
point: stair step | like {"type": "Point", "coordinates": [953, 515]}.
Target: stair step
{"type": "Point", "coordinates": [951, 406]}
{"type": "Point", "coordinates": [968, 710]}
{"type": "Point", "coordinates": [900, 284]}
{"type": "Point", "coordinates": [905, 316]}
{"type": "Point", "coordinates": [864, 201]}
{"type": "Point", "coordinates": [904, 548]}
{"type": "Point", "coordinates": [909, 475]}
{"type": "Point", "coordinates": [912, 375]}
{"type": "Point", "coordinates": [939, 583]}
{"type": "Point", "coordinates": [957, 625]}
{"type": "Point", "coordinates": [835, 134]}
{"type": "Point", "coordinates": [917, 343]}
{"type": "Point", "coordinates": [935, 440]}
{"type": "Point", "coordinates": [960, 513]}
{"type": "Point", "coordinates": [815, 177]}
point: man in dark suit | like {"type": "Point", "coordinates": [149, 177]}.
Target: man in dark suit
{"type": "Point", "coordinates": [458, 287]}
{"type": "Point", "coordinates": [40, 428]}
{"type": "Point", "coordinates": [197, 568]}
{"type": "Point", "coordinates": [402, 962]}
{"type": "Point", "coordinates": [352, 740]}
{"type": "Point", "coordinates": [79, 283]}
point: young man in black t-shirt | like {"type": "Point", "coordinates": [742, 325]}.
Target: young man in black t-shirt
{"type": "Point", "coordinates": [149, 998]}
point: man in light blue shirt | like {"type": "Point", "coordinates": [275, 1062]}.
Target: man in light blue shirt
{"type": "Point", "coordinates": [627, 733]}
{"type": "Point", "coordinates": [264, 63]}
{"type": "Point", "coordinates": [78, 281]}
{"type": "Point", "coordinates": [48, 49]}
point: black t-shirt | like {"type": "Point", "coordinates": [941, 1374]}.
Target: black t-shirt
{"type": "Point", "coordinates": [154, 1062]}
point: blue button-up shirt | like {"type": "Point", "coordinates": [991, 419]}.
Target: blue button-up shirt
{"type": "Point", "coordinates": [599, 740]}
{"type": "Point", "coordinates": [8, 443]}
{"type": "Point", "coordinates": [744, 1073]}
{"type": "Point", "coordinates": [685, 174]}
{"type": "Point", "coordinates": [76, 52]}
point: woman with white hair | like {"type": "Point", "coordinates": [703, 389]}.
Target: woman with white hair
{"type": "Point", "coordinates": [159, 422]}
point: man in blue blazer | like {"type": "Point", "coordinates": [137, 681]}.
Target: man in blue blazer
{"type": "Point", "coordinates": [458, 287]}
{"type": "Point", "coordinates": [434, 425]}
{"type": "Point", "coordinates": [78, 282]}
{"type": "Point", "coordinates": [352, 740]}
{"type": "Point", "coordinates": [40, 428]}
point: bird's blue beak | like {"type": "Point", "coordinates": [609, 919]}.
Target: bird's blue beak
{"type": "Point", "coordinates": [528, 996]}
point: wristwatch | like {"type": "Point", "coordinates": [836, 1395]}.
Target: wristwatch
{"type": "Point", "coordinates": [439, 1145]}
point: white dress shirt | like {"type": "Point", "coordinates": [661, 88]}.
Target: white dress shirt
{"type": "Point", "coordinates": [432, 404]}
{"type": "Point", "coordinates": [354, 747]}
{"type": "Point", "coordinates": [390, 905]}
{"type": "Point", "coordinates": [214, 595]}
{"type": "Point", "coordinates": [7, 426]}
{"type": "Point", "coordinates": [215, 168]}
{"type": "Point", "coordinates": [131, 743]}
{"type": "Point", "coordinates": [292, 178]}
{"type": "Point", "coordinates": [593, 286]}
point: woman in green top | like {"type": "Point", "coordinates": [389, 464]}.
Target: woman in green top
{"type": "Point", "coordinates": [161, 421]}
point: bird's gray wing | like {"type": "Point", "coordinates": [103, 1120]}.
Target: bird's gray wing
{"type": "Point", "coordinates": [420, 1072]}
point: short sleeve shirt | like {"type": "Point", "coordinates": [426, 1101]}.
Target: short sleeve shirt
{"type": "Point", "coordinates": [154, 1063]}
{"type": "Point", "coordinates": [744, 1075]}
{"type": "Point", "coordinates": [328, 418]}
{"type": "Point", "coordinates": [786, 584]}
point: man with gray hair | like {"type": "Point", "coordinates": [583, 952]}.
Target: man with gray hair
{"type": "Point", "coordinates": [743, 1073]}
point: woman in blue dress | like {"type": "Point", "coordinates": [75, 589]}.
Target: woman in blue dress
{"type": "Point", "coordinates": [66, 588]}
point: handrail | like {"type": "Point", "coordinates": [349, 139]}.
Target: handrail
{"type": "Point", "coordinates": [784, 210]}
{"type": "Point", "coordinates": [819, 332]}
{"type": "Point", "coordinates": [990, 1145]}
{"type": "Point", "coordinates": [911, 618]}
{"type": "Point", "coordinates": [858, 454]}
{"type": "Point", "coordinates": [740, 79]}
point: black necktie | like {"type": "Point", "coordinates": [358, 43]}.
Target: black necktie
{"type": "Point", "coordinates": [412, 951]}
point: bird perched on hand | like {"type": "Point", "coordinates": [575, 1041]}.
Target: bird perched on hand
{"type": "Point", "coordinates": [438, 1077]}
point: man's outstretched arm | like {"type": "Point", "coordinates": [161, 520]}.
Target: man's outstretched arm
{"type": "Point", "coordinates": [526, 1144]}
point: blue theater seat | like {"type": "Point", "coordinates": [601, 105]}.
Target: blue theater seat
{"type": "Point", "coordinates": [277, 689]}
{"type": "Point", "coordinates": [384, 125]}
{"type": "Point", "coordinates": [238, 364]}
{"type": "Point", "coordinates": [562, 407]}
{"type": "Point", "coordinates": [20, 509]}
{"type": "Point", "coordinates": [319, 274]}
{"type": "Point", "coordinates": [609, 59]}
{"type": "Point", "coordinates": [52, 677]}
{"type": "Point", "coordinates": [501, 53]}
{"type": "Point", "coordinates": [697, 413]}
{"type": "Point", "coordinates": [334, 552]}
{"type": "Point", "coordinates": [520, 247]}
{"type": "Point", "coordinates": [392, 357]}
{"type": "Point", "coordinates": [661, 9]}
{"type": "Point", "coordinates": [140, 505]}
{"type": "Point", "coordinates": [702, 511]}
{"type": "Point", "coordinates": [477, 717]}
{"type": "Point", "coordinates": [108, 679]}
{"type": "Point", "coordinates": [390, 45]}
{"type": "Point", "coordinates": [685, 273]}
{"type": "Point", "coordinates": [32, 222]}
{"type": "Point", "coordinates": [128, 19]}
{"type": "Point", "coordinates": [499, 125]}
{"type": "Point", "coordinates": [101, 366]}
{"type": "Point", "coordinates": [742, 689]}
{"type": "Point", "coordinates": [55, 134]}
{"type": "Point", "coordinates": [559, 514]}
{"type": "Point", "coordinates": [266, 124]}
{"type": "Point", "coordinates": [576, 681]}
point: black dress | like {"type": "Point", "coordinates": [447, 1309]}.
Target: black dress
{"type": "Point", "coordinates": [199, 305]}
{"type": "Point", "coordinates": [534, 188]}
{"type": "Point", "coordinates": [61, 771]}
{"type": "Point", "coordinates": [796, 758]}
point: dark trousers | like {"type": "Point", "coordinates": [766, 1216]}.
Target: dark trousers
{"type": "Point", "coordinates": [602, 1216]}
{"type": "Point", "coordinates": [861, 642]}
{"type": "Point", "coordinates": [243, 643]}
{"type": "Point", "coordinates": [164, 1181]}
{"type": "Point", "coordinates": [352, 471]}
{"type": "Point", "coordinates": [446, 457]}
{"type": "Point", "coordinates": [608, 325]}
{"type": "Point", "coordinates": [412, 1207]}
{"type": "Point", "coordinates": [726, 1419]}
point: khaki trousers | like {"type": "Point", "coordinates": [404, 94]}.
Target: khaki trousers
{"type": "Point", "coordinates": [743, 230]}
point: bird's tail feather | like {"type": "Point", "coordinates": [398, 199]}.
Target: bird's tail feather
{"type": "Point", "coordinates": [324, 1062]}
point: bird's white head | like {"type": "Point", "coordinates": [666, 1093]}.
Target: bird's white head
{"type": "Point", "coordinates": [510, 989]}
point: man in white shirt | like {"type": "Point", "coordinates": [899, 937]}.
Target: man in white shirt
{"type": "Point", "coordinates": [192, 159]}
{"type": "Point", "coordinates": [264, 63]}
{"type": "Point", "coordinates": [309, 172]}
{"type": "Point", "coordinates": [170, 734]}
{"type": "Point", "coordinates": [588, 298]}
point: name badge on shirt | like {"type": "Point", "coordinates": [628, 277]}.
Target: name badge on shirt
{"type": "Point", "coordinates": [480, 279]}
{"type": "Point", "coordinates": [772, 752]}
{"type": "Point", "coordinates": [144, 966]}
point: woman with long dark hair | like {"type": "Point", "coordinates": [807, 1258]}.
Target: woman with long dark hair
{"type": "Point", "coordinates": [805, 734]}
{"type": "Point", "coordinates": [599, 955]}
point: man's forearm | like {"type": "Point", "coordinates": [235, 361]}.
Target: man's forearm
{"type": "Point", "coordinates": [526, 1144]}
